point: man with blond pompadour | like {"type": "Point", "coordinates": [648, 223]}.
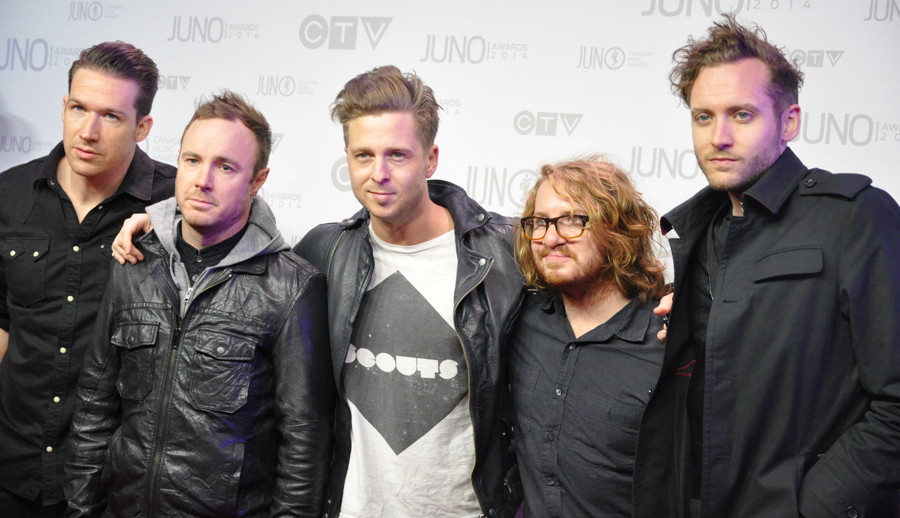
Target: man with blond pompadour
{"type": "Point", "coordinates": [422, 289]}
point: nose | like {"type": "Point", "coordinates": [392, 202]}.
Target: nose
{"type": "Point", "coordinates": [552, 239]}
{"type": "Point", "coordinates": [381, 172]}
{"type": "Point", "coordinates": [203, 178]}
{"type": "Point", "coordinates": [90, 128]}
{"type": "Point", "coordinates": [722, 137]}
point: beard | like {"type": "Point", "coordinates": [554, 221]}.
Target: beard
{"type": "Point", "coordinates": [587, 274]}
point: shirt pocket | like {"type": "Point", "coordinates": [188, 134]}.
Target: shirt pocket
{"type": "Point", "coordinates": [221, 371]}
{"type": "Point", "coordinates": [605, 431]}
{"type": "Point", "coordinates": [789, 262]}
{"type": "Point", "coordinates": [24, 259]}
{"type": "Point", "coordinates": [137, 356]}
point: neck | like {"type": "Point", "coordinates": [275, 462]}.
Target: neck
{"type": "Point", "coordinates": [587, 309]}
{"type": "Point", "coordinates": [431, 221]}
{"type": "Point", "coordinates": [737, 209]}
{"type": "Point", "coordinates": [200, 240]}
{"type": "Point", "coordinates": [86, 192]}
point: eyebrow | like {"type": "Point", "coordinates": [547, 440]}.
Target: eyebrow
{"type": "Point", "coordinates": [736, 107]}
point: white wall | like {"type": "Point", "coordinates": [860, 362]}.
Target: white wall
{"type": "Point", "coordinates": [511, 70]}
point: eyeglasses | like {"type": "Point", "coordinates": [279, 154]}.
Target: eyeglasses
{"type": "Point", "coordinates": [569, 226]}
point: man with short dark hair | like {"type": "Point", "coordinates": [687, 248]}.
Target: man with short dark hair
{"type": "Point", "coordinates": [58, 216]}
{"type": "Point", "coordinates": [206, 389]}
{"type": "Point", "coordinates": [422, 291]}
{"type": "Point", "coordinates": [584, 357]}
{"type": "Point", "coordinates": [780, 393]}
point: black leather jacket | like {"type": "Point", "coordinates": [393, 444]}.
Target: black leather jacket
{"type": "Point", "coordinates": [488, 296]}
{"type": "Point", "coordinates": [226, 412]}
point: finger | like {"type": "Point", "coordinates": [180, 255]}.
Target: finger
{"type": "Point", "coordinates": [662, 335]}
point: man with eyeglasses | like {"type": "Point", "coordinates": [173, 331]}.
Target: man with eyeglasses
{"type": "Point", "coordinates": [584, 357]}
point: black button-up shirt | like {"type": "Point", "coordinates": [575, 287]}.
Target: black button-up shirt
{"type": "Point", "coordinates": [578, 405]}
{"type": "Point", "coordinates": [53, 273]}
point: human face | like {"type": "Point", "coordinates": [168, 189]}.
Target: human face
{"type": "Point", "coordinates": [100, 124]}
{"type": "Point", "coordinates": [564, 264]}
{"type": "Point", "coordinates": [389, 167]}
{"type": "Point", "coordinates": [737, 133]}
{"type": "Point", "coordinates": [215, 184]}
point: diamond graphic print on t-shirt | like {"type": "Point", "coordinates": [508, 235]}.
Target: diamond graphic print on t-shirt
{"type": "Point", "coordinates": [405, 370]}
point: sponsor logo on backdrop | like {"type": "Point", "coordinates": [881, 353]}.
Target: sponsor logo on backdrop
{"type": "Point", "coordinates": [612, 58]}
{"type": "Point", "coordinates": [883, 11]}
{"type": "Point", "coordinates": [814, 58]}
{"type": "Point", "coordinates": [340, 175]}
{"type": "Point", "coordinates": [276, 140]}
{"type": "Point", "coordinates": [278, 199]}
{"type": "Point", "coordinates": [93, 11]}
{"type": "Point", "coordinates": [341, 32]}
{"type": "Point", "coordinates": [285, 86]}
{"type": "Point", "coordinates": [173, 82]}
{"type": "Point", "coordinates": [660, 162]}
{"type": "Point", "coordinates": [210, 29]}
{"type": "Point", "coordinates": [16, 144]}
{"type": "Point", "coordinates": [162, 147]}
{"type": "Point", "coordinates": [846, 129]}
{"type": "Point", "coordinates": [718, 7]}
{"type": "Point", "coordinates": [471, 49]}
{"type": "Point", "coordinates": [35, 54]}
{"type": "Point", "coordinates": [450, 106]}
{"type": "Point", "coordinates": [545, 123]}
{"type": "Point", "coordinates": [498, 187]}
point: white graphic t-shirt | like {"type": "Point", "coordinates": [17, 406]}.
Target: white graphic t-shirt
{"type": "Point", "coordinates": [413, 448]}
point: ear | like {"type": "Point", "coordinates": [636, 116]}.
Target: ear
{"type": "Point", "coordinates": [790, 123]}
{"type": "Point", "coordinates": [143, 128]}
{"type": "Point", "coordinates": [431, 160]}
{"type": "Point", "coordinates": [258, 181]}
{"type": "Point", "coordinates": [62, 114]}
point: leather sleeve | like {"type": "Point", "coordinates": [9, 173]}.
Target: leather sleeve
{"type": "Point", "coordinates": [860, 470]}
{"type": "Point", "coordinates": [97, 415]}
{"type": "Point", "coordinates": [305, 400]}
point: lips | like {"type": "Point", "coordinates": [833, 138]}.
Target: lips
{"type": "Point", "coordinates": [85, 153]}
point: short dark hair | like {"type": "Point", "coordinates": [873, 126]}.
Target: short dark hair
{"type": "Point", "coordinates": [386, 89]}
{"type": "Point", "coordinates": [726, 42]}
{"type": "Point", "coordinates": [125, 61]}
{"type": "Point", "coordinates": [231, 106]}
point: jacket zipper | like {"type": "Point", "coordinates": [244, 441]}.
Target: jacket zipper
{"type": "Point", "coordinates": [164, 402]}
{"type": "Point", "coordinates": [469, 382]}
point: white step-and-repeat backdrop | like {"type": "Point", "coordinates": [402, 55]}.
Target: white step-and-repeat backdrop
{"type": "Point", "coordinates": [521, 83]}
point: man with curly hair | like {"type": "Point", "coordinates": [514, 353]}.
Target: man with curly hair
{"type": "Point", "coordinates": [584, 357]}
{"type": "Point", "coordinates": [780, 393]}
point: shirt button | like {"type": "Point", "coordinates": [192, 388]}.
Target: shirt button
{"type": "Point", "coordinates": [49, 449]}
{"type": "Point", "coordinates": [550, 437]}
{"type": "Point", "coordinates": [481, 217]}
{"type": "Point", "coordinates": [199, 259]}
{"type": "Point", "coordinates": [810, 183]}
{"type": "Point", "coordinates": [220, 350]}
{"type": "Point", "coordinates": [62, 350]}
{"type": "Point", "coordinates": [36, 253]}
{"type": "Point", "coordinates": [481, 262]}
{"type": "Point", "coordinates": [75, 248]}
{"type": "Point", "coordinates": [70, 298]}
{"type": "Point", "coordinates": [551, 482]}
{"type": "Point", "coordinates": [12, 253]}
{"type": "Point", "coordinates": [852, 512]}
{"type": "Point", "coordinates": [558, 392]}
{"type": "Point", "coordinates": [571, 346]}
{"type": "Point", "coordinates": [99, 207]}
{"type": "Point", "coordinates": [56, 399]}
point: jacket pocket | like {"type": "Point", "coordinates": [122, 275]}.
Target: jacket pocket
{"type": "Point", "coordinates": [137, 354]}
{"type": "Point", "coordinates": [222, 367]}
{"type": "Point", "coordinates": [25, 264]}
{"type": "Point", "coordinates": [788, 262]}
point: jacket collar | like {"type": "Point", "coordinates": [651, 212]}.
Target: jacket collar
{"type": "Point", "coordinates": [466, 213]}
{"type": "Point", "coordinates": [628, 324]}
{"type": "Point", "coordinates": [771, 191]}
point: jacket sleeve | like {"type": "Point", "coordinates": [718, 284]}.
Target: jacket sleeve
{"type": "Point", "coordinates": [316, 245]}
{"type": "Point", "coordinates": [97, 416]}
{"type": "Point", "coordinates": [305, 399]}
{"type": "Point", "coordinates": [862, 468]}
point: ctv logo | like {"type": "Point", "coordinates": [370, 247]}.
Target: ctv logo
{"type": "Point", "coordinates": [340, 31]}
{"type": "Point", "coordinates": [173, 82]}
{"type": "Point", "coordinates": [544, 123]}
{"type": "Point", "coordinates": [814, 58]}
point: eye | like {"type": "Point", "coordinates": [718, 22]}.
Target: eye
{"type": "Point", "coordinates": [742, 115]}
{"type": "Point", "coordinates": [227, 168]}
{"type": "Point", "coordinates": [111, 116]}
{"type": "Point", "coordinates": [397, 154]}
{"type": "Point", "coordinates": [703, 117]}
{"type": "Point", "coordinates": [77, 108]}
{"type": "Point", "coordinates": [192, 161]}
